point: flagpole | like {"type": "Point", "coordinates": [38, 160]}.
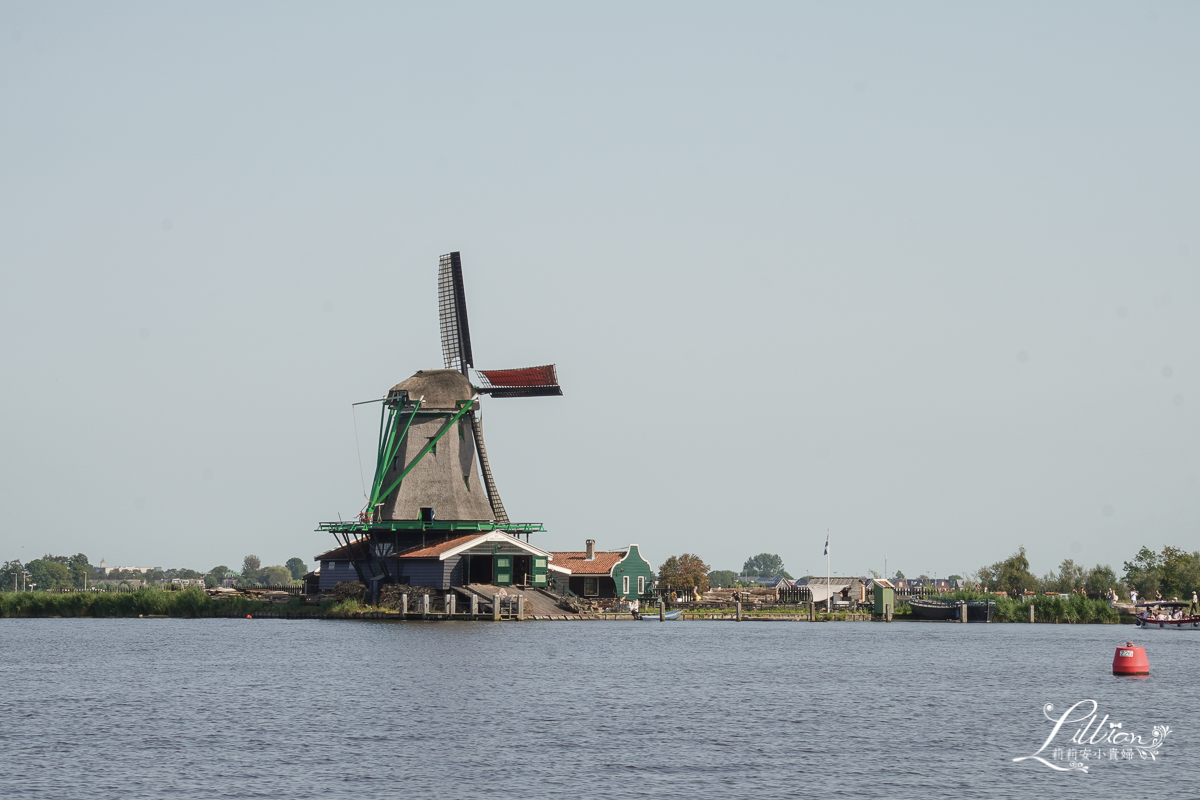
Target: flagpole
{"type": "Point", "coordinates": [828, 587]}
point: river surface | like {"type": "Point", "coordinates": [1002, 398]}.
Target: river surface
{"type": "Point", "coordinates": [150, 708]}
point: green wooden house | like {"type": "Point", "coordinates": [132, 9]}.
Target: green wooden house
{"type": "Point", "coordinates": [621, 574]}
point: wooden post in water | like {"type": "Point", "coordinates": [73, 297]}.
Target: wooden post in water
{"type": "Point", "coordinates": [404, 606]}
{"type": "Point", "coordinates": [887, 612]}
{"type": "Point", "coordinates": [495, 608]}
{"type": "Point", "coordinates": [521, 607]}
{"type": "Point", "coordinates": [739, 610]}
{"type": "Point", "coordinates": [474, 606]}
{"type": "Point", "coordinates": [450, 605]}
{"type": "Point", "coordinates": [1031, 612]}
{"type": "Point", "coordinates": [962, 611]}
{"type": "Point", "coordinates": [662, 611]}
{"type": "Point", "coordinates": [424, 606]}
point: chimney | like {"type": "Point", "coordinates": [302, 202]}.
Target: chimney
{"type": "Point", "coordinates": [591, 549]}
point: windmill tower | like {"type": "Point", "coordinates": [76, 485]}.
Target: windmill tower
{"type": "Point", "coordinates": [432, 476]}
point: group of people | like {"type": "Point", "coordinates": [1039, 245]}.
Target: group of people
{"type": "Point", "coordinates": [1166, 614]}
{"type": "Point", "coordinates": [1193, 608]}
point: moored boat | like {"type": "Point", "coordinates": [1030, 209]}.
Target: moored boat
{"type": "Point", "coordinates": [1171, 615]}
{"type": "Point", "coordinates": [652, 616]}
{"type": "Point", "coordinates": [949, 610]}
{"type": "Point", "coordinates": [938, 610]}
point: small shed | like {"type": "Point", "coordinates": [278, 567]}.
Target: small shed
{"type": "Point", "coordinates": [885, 595]}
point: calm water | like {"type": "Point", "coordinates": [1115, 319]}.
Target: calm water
{"type": "Point", "coordinates": [300, 709]}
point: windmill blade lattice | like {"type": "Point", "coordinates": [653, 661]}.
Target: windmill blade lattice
{"type": "Point", "coordinates": [452, 315]}
{"type": "Point", "coordinates": [489, 483]}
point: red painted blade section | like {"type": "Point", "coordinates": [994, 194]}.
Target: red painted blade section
{"type": "Point", "coordinates": [524, 382]}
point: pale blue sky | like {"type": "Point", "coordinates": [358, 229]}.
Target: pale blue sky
{"type": "Point", "coordinates": [922, 274]}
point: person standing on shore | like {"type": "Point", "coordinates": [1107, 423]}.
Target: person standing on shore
{"type": "Point", "coordinates": [1133, 596]}
{"type": "Point", "coordinates": [1194, 608]}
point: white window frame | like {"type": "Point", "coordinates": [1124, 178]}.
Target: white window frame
{"type": "Point", "coordinates": [641, 585]}
{"type": "Point", "coordinates": [624, 584]}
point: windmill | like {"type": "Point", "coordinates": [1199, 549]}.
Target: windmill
{"type": "Point", "coordinates": [426, 483]}
{"type": "Point", "coordinates": [411, 480]}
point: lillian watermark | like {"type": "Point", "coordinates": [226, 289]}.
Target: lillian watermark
{"type": "Point", "coordinates": [1081, 738]}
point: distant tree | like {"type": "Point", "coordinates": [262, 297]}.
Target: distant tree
{"type": "Point", "coordinates": [766, 565]}
{"type": "Point", "coordinates": [899, 576]}
{"type": "Point", "coordinates": [10, 575]}
{"type": "Point", "coordinates": [81, 570]}
{"type": "Point", "coordinates": [250, 567]}
{"type": "Point", "coordinates": [49, 574]}
{"type": "Point", "coordinates": [277, 575]}
{"type": "Point", "coordinates": [1100, 579]}
{"type": "Point", "coordinates": [1180, 572]}
{"type": "Point", "coordinates": [1144, 573]}
{"type": "Point", "coordinates": [297, 566]}
{"type": "Point", "coordinates": [1011, 575]}
{"type": "Point", "coordinates": [722, 577]}
{"type": "Point", "coordinates": [684, 572]}
{"type": "Point", "coordinates": [955, 578]}
{"type": "Point", "coordinates": [215, 576]}
{"type": "Point", "coordinates": [923, 576]}
{"type": "Point", "coordinates": [1070, 578]}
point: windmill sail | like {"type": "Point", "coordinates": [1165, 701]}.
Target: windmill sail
{"type": "Point", "coordinates": [489, 483]}
{"type": "Point", "coordinates": [452, 315]}
{"type": "Point", "coordinates": [524, 382]}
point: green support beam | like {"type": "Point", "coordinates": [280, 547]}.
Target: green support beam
{"type": "Point", "coordinates": [432, 443]}
{"type": "Point", "coordinates": [389, 445]}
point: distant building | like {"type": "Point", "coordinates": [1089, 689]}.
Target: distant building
{"type": "Point", "coordinates": [622, 574]}
{"type": "Point", "coordinates": [847, 588]}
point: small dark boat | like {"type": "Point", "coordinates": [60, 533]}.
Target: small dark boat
{"type": "Point", "coordinates": [923, 608]}
{"type": "Point", "coordinates": [943, 610]}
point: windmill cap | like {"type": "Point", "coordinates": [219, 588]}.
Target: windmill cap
{"type": "Point", "coordinates": [442, 388]}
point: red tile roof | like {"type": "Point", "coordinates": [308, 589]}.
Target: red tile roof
{"type": "Point", "coordinates": [435, 550]}
{"type": "Point", "coordinates": [577, 562]}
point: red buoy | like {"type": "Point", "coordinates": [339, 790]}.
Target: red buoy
{"type": "Point", "coordinates": [1131, 660]}
{"type": "Point", "coordinates": [248, 617]}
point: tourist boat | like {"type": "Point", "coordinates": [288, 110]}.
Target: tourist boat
{"type": "Point", "coordinates": [948, 610]}
{"type": "Point", "coordinates": [1147, 616]}
{"type": "Point", "coordinates": [652, 616]}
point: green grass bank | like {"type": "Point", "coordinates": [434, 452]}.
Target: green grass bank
{"type": "Point", "coordinates": [147, 602]}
